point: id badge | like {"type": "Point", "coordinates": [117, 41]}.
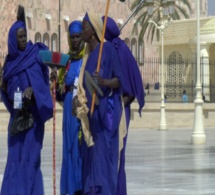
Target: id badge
{"type": "Point", "coordinates": [17, 103]}
{"type": "Point", "coordinates": [75, 91]}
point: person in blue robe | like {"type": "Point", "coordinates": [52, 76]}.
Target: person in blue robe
{"type": "Point", "coordinates": [24, 70]}
{"type": "Point", "coordinates": [71, 169]}
{"type": "Point", "coordinates": [100, 160]}
{"type": "Point", "coordinates": [133, 88]}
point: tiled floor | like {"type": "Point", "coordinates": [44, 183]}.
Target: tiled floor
{"type": "Point", "coordinates": [158, 163]}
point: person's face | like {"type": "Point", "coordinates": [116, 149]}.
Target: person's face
{"type": "Point", "coordinates": [76, 39]}
{"type": "Point", "coordinates": [21, 39]}
{"type": "Point", "coordinates": [87, 32]}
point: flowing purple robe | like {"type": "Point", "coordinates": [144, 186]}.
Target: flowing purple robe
{"type": "Point", "coordinates": [100, 162]}
{"type": "Point", "coordinates": [25, 69]}
{"type": "Point", "coordinates": [132, 86]}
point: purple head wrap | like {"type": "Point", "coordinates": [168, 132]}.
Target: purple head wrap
{"type": "Point", "coordinates": [12, 39]}
{"type": "Point", "coordinates": [112, 30]}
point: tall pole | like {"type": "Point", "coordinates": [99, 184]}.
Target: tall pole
{"type": "Point", "coordinates": [59, 28]}
{"type": "Point", "coordinates": [162, 107]}
{"type": "Point", "coordinates": [198, 136]}
{"type": "Point", "coordinates": [135, 10]}
{"type": "Point", "coordinates": [161, 27]}
{"type": "Point", "coordinates": [54, 109]}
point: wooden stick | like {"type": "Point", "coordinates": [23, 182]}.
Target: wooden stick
{"type": "Point", "coordinates": [54, 140]}
{"type": "Point", "coordinates": [100, 55]}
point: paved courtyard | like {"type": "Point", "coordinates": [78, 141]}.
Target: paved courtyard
{"type": "Point", "coordinates": [158, 162]}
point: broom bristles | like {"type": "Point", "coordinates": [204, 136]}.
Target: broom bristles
{"type": "Point", "coordinates": [52, 58]}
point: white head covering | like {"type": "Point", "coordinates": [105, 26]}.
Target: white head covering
{"type": "Point", "coordinates": [96, 21]}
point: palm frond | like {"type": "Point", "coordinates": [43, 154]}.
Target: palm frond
{"type": "Point", "coordinates": [187, 3]}
{"type": "Point", "coordinates": [142, 18]}
{"type": "Point", "coordinates": [176, 16]}
{"type": "Point", "coordinates": [183, 11]}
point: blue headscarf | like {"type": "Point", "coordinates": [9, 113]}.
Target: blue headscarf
{"type": "Point", "coordinates": [12, 39]}
{"type": "Point", "coordinates": [75, 27]}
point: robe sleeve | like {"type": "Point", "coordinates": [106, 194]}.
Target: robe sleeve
{"type": "Point", "coordinates": [133, 85]}
{"type": "Point", "coordinates": [38, 79]}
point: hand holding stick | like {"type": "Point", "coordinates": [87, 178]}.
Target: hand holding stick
{"type": "Point", "coordinates": [100, 55]}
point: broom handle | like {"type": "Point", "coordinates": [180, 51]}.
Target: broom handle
{"type": "Point", "coordinates": [100, 55]}
{"type": "Point", "coordinates": [54, 141]}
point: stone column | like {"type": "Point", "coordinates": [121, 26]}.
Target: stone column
{"type": "Point", "coordinates": [193, 63]}
{"type": "Point", "coordinates": [205, 70]}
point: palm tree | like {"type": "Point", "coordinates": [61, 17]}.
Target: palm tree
{"type": "Point", "coordinates": [182, 9]}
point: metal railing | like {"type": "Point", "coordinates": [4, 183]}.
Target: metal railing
{"type": "Point", "coordinates": [180, 74]}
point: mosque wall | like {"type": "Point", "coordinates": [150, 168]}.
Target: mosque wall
{"type": "Point", "coordinates": [42, 19]}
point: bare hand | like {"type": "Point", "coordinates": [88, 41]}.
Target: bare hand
{"type": "Point", "coordinates": [53, 75]}
{"type": "Point", "coordinates": [3, 86]}
{"type": "Point", "coordinates": [127, 99]}
{"type": "Point", "coordinates": [2, 83]}
{"type": "Point", "coordinates": [75, 105]}
{"type": "Point", "coordinates": [99, 80]}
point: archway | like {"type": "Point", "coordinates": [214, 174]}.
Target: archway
{"type": "Point", "coordinates": [54, 42]}
{"type": "Point", "coordinates": [134, 47]}
{"type": "Point", "coordinates": [175, 76]}
{"type": "Point", "coordinates": [46, 39]}
{"type": "Point", "coordinates": [37, 37]}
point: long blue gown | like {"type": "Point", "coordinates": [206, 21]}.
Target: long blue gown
{"type": "Point", "coordinates": [100, 162]}
{"type": "Point", "coordinates": [71, 177]}
{"type": "Point", "coordinates": [132, 87]}
{"type": "Point", "coordinates": [22, 173]}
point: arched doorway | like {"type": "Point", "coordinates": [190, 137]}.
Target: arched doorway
{"type": "Point", "coordinates": [54, 42]}
{"type": "Point", "coordinates": [134, 47]}
{"type": "Point", "coordinates": [127, 41]}
{"type": "Point", "coordinates": [175, 77]}
{"type": "Point", "coordinates": [46, 39]}
{"type": "Point", "coordinates": [37, 37]}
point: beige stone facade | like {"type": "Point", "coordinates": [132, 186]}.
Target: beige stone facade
{"type": "Point", "coordinates": [181, 36]}
{"type": "Point", "coordinates": [180, 47]}
{"type": "Point", "coordinates": [42, 21]}
{"type": "Point", "coordinates": [42, 17]}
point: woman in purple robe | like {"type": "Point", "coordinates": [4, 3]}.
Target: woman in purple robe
{"type": "Point", "coordinates": [100, 161]}
{"type": "Point", "coordinates": [132, 88]}
{"type": "Point", "coordinates": [24, 70]}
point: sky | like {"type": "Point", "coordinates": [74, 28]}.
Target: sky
{"type": "Point", "coordinates": [211, 7]}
